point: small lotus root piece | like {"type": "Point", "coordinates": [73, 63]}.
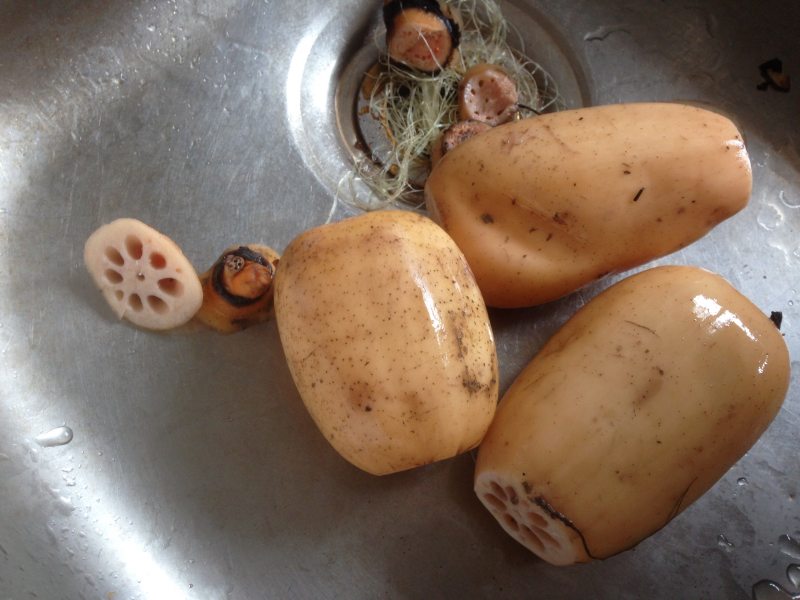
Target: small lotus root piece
{"type": "Point", "coordinates": [143, 275]}
{"type": "Point", "coordinates": [487, 94]}
{"type": "Point", "coordinates": [237, 289]}
{"type": "Point", "coordinates": [456, 134]}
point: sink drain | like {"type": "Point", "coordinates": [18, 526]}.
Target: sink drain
{"type": "Point", "coordinates": [340, 140]}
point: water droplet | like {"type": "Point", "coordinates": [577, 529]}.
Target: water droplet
{"type": "Point", "coordinates": [742, 481]}
{"type": "Point", "coordinates": [724, 543]}
{"type": "Point", "coordinates": [65, 505]}
{"type": "Point", "coordinates": [793, 575]}
{"type": "Point", "coordinates": [769, 590]}
{"type": "Point", "coordinates": [791, 202]}
{"type": "Point", "coordinates": [55, 437]}
{"type": "Point", "coordinates": [789, 546]}
{"type": "Point", "coordinates": [770, 217]}
{"type": "Point", "coordinates": [151, 28]}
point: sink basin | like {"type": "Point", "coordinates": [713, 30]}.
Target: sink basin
{"type": "Point", "coordinates": [188, 466]}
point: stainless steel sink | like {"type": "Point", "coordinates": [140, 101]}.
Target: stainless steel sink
{"type": "Point", "coordinates": [193, 469]}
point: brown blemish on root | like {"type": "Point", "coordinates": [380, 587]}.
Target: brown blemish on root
{"type": "Point", "coordinates": [542, 503]}
{"type": "Point", "coordinates": [639, 325]}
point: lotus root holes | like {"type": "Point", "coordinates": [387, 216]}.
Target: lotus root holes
{"type": "Point", "coordinates": [171, 286]}
{"type": "Point", "coordinates": [134, 247]}
{"type": "Point", "coordinates": [530, 537]}
{"type": "Point", "coordinates": [546, 537]}
{"type": "Point", "coordinates": [234, 263]}
{"type": "Point", "coordinates": [114, 256]}
{"type": "Point", "coordinates": [511, 522]}
{"type": "Point", "coordinates": [119, 295]}
{"type": "Point", "coordinates": [537, 519]}
{"type": "Point", "coordinates": [157, 305]}
{"type": "Point", "coordinates": [494, 501]}
{"type": "Point", "coordinates": [112, 276]}
{"type": "Point", "coordinates": [157, 260]}
{"type": "Point", "coordinates": [519, 516]}
{"type": "Point", "coordinates": [135, 302]}
{"type": "Point", "coordinates": [512, 495]}
{"type": "Point", "coordinates": [499, 492]}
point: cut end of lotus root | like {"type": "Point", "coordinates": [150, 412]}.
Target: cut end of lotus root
{"type": "Point", "coordinates": [530, 519]}
{"type": "Point", "coordinates": [238, 288]}
{"type": "Point", "coordinates": [143, 275]}
{"type": "Point", "coordinates": [488, 94]}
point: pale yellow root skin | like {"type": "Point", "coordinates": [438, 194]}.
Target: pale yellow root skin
{"type": "Point", "coordinates": [632, 411]}
{"type": "Point", "coordinates": [545, 205]}
{"type": "Point", "coordinates": [388, 340]}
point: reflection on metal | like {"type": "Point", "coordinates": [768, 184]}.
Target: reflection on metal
{"type": "Point", "coordinates": [195, 470]}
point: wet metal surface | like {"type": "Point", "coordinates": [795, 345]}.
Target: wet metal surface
{"type": "Point", "coordinates": [192, 469]}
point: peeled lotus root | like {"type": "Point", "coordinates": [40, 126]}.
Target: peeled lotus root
{"type": "Point", "coordinates": [143, 275]}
